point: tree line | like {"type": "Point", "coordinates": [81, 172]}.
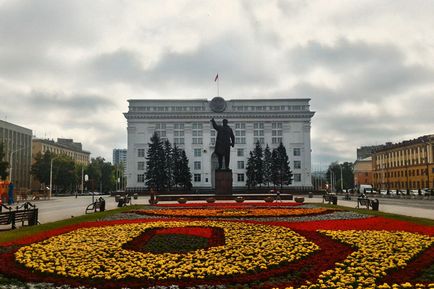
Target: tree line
{"type": "Point", "coordinates": [166, 166]}
{"type": "Point", "coordinates": [67, 174]}
{"type": "Point", "coordinates": [265, 167]}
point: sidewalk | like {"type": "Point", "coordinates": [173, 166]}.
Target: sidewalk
{"type": "Point", "coordinates": [60, 208]}
{"type": "Point", "coordinates": [405, 207]}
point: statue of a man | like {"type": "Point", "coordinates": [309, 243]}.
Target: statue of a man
{"type": "Point", "coordinates": [225, 139]}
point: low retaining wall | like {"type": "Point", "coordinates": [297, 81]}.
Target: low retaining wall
{"type": "Point", "coordinates": [203, 197]}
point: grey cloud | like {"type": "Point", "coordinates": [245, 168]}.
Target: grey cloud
{"type": "Point", "coordinates": [366, 71]}
{"type": "Point", "coordinates": [76, 102]}
{"type": "Point", "coordinates": [38, 22]}
{"type": "Point", "coordinates": [239, 62]}
{"type": "Point", "coordinates": [342, 55]}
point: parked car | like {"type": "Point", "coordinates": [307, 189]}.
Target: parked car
{"type": "Point", "coordinates": [427, 192]}
{"type": "Point", "coordinates": [414, 192]}
{"type": "Point", "coordinates": [370, 191]}
{"type": "Point", "coordinates": [95, 193]}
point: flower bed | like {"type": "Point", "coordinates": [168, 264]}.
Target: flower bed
{"type": "Point", "coordinates": [234, 212]}
{"type": "Point", "coordinates": [232, 205]}
{"type": "Point", "coordinates": [368, 253]}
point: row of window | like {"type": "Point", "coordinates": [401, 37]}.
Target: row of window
{"type": "Point", "coordinates": [198, 108]}
{"type": "Point", "coordinates": [270, 107]}
{"type": "Point", "coordinates": [197, 152]}
{"type": "Point", "coordinates": [405, 185]}
{"type": "Point", "coordinates": [58, 151]}
{"type": "Point", "coordinates": [168, 108]}
{"type": "Point", "coordinates": [197, 165]}
{"type": "Point", "coordinates": [397, 174]}
{"type": "Point", "coordinates": [197, 178]}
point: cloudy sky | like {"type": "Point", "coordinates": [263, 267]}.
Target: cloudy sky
{"type": "Point", "coordinates": [67, 68]}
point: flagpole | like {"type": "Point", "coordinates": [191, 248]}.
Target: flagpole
{"type": "Point", "coordinates": [216, 79]}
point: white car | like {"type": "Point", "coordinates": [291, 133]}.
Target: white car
{"type": "Point", "coordinates": [414, 192]}
{"type": "Point", "coordinates": [426, 192]}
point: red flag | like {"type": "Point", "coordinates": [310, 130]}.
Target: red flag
{"type": "Point", "coordinates": [216, 77]}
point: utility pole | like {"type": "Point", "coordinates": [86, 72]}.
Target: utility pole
{"type": "Point", "coordinates": [342, 180]}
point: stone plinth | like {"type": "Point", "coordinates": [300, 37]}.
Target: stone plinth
{"type": "Point", "coordinates": [223, 182]}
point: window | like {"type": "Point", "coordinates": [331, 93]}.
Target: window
{"type": "Point", "coordinates": [197, 125]}
{"type": "Point", "coordinates": [276, 132]}
{"type": "Point", "coordinates": [297, 164]}
{"type": "Point", "coordinates": [240, 152]}
{"type": "Point", "coordinates": [197, 132]}
{"type": "Point", "coordinates": [197, 152]}
{"type": "Point", "coordinates": [197, 165]}
{"type": "Point", "coordinates": [197, 140]}
{"type": "Point", "coordinates": [140, 178]}
{"type": "Point", "coordinates": [240, 133]}
{"type": "Point", "coordinates": [261, 140]}
{"type": "Point", "coordinates": [240, 165]}
{"type": "Point", "coordinates": [297, 177]}
{"type": "Point", "coordinates": [178, 140]}
{"type": "Point", "coordinates": [276, 140]}
{"type": "Point", "coordinates": [178, 133]}
{"type": "Point", "coordinates": [160, 129]}
{"type": "Point", "coordinates": [240, 177]}
{"type": "Point", "coordinates": [196, 178]}
{"type": "Point", "coordinates": [141, 153]}
{"type": "Point", "coordinates": [140, 166]}
{"type": "Point", "coordinates": [297, 152]}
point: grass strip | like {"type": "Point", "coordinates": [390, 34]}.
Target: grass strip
{"type": "Point", "coordinates": [26, 231]}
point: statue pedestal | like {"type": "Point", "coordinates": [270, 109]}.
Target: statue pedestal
{"type": "Point", "coordinates": [223, 182]}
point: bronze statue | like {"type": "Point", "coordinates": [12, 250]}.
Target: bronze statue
{"type": "Point", "coordinates": [225, 139]}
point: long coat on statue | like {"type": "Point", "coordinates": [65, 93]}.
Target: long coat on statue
{"type": "Point", "coordinates": [225, 137]}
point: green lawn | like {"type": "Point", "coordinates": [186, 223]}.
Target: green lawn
{"type": "Point", "coordinates": [21, 232]}
{"type": "Point", "coordinates": [420, 221]}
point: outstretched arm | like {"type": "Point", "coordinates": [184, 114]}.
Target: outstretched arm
{"type": "Point", "coordinates": [214, 125]}
{"type": "Point", "coordinates": [232, 138]}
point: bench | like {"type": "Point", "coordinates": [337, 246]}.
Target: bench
{"type": "Point", "coordinates": [363, 202]}
{"type": "Point", "coordinates": [373, 204]}
{"type": "Point", "coordinates": [330, 198]}
{"type": "Point", "coordinates": [27, 212]}
{"type": "Point", "coordinates": [98, 205]}
{"type": "Point", "coordinates": [124, 200]}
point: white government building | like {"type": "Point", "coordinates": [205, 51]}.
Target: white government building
{"type": "Point", "coordinates": [186, 123]}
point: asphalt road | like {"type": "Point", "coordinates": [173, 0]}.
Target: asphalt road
{"type": "Point", "coordinates": [60, 208]}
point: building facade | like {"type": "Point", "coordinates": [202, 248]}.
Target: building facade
{"type": "Point", "coordinates": [17, 142]}
{"type": "Point", "coordinates": [186, 123]}
{"type": "Point", "coordinates": [405, 165]}
{"type": "Point", "coordinates": [119, 157]}
{"type": "Point", "coordinates": [62, 147]}
{"type": "Point", "coordinates": [363, 172]}
{"type": "Point", "coordinates": [367, 151]}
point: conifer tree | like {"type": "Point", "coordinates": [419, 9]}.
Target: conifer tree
{"type": "Point", "coordinates": [250, 172]}
{"type": "Point", "coordinates": [168, 164]}
{"type": "Point", "coordinates": [176, 165]}
{"type": "Point", "coordinates": [281, 172]}
{"type": "Point", "coordinates": [258, 164]}
{"type": "Point", "coordinates": [155, 175]}
{"type": "Point", "coordinates": [185, 174]}
{"type": "Point", "coordinates": [267, 166]}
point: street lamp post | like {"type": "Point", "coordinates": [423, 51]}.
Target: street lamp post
{"type": "Point", "coordinates": [342, 180]}
{"type": "Point", "coordinates": [10, 162]}
{"type": "Point", "coordinates": [51, 178]}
